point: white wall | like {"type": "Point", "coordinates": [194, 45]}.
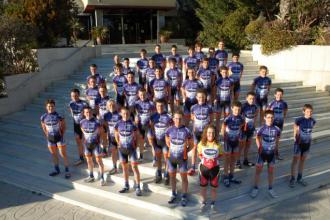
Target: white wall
{"type": "Point", "coordinates": [307, 63]}
{"type": "Point", "coordinates": [55, 64]}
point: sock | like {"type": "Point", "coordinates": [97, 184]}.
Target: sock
{"type": "Point", "coordinates": [81, 157]}
{"type": "Point", "coordinates": [91, 174]}
{"type": "Point", "coordinates": [292, 178]}
{"type": "Point", "coordinates": [66, 169]}
{"type": "Point", "coordinates": [126, 184]}
{"type": "Point", "coordinates": [173, 193]}
{"type": "Point", "coordinates": [138, 186]}
{"type": "Point", "coordinates": [155, 158]}
{"type": "Point", "coordinates": [231, 176]}
{"type": "Point", "coordinates": [57, 168]}
{"type": "Point", "coordinates": [213, 202]}
{"type": "Point", "coordinates": [165, 174]}
{"type": "Point", "coordinates": [299, 176]}
{"type": "Point", "coordinates": [159, 172]}
{"type": "Point", "coordinates": [225, 177]}
{"type": "Point", "coordinates": [270, 187]}
{"type": "Point", "coordinates": [141, 155]}
{"type": "Point", "coordinates": [256, 187]}
{"type": "Point", "coordinates": [184, 195]}
{"type": "Point", "coordinates": [115, 165]}
{"type": "Point", "coordinates": [102, 176]}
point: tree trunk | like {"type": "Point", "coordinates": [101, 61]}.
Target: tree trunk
{"type": "Point", "coordinates": [285, 8]}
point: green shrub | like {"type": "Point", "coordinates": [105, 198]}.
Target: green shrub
{"type": "Point", "coordinates": [254, 30]}
{"type": "Point", "coordinates": [277, 37]}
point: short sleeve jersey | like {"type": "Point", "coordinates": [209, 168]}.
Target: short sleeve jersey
{"type": "Point", "coordinates": [262, 85]}
{"type": "Point", "coordinates": [159, 87]}
{"type": "Point", "coordinates": [202, 115]}
{"type": "Point", "coordinates": [90, 129]}
{"type": "Point", "coordinates": [142, 64]}
{"type": "Point", "coordinates": [249, 112]}
{"type": "Point", "coordinates": [279, 107]}
{"type": "Point", "coordinates": [144, 109]}
{"type": "Point", "coordinates": [120, 81]}
{"type": "Point", "coordinates": [95, 95]}
{"type": "Point", "coordinates": [131, 93]}
{"type": "Point", "coordinates": [221, 55]}
{"type": "Point", "coordinates": [52, 122]}
{"type": "Point", "coordinates": [306, 126]}
{"type": "Point", "coordinates": [223, 86]}
{"type": "Point", "coordinates": [205, 76]}
{"type": "Point", "coordinates": [200, 56]}
{"type": "Point", "coordinates": [178, 137]}
{"type": "Point", "coordinates": [213, 64]}
{"type": "Point", "coordinates": [191, 87]}
{"type": "Point", "coordinates": [236, 68]}
{"type": "Point", "coordinates": [209, 154]}
{"type": "Point", "coordinates": [112, 118]}
{"type": "Point", "coordinates": [126, 131]}
{"type": "Point", "coordinates": [150, 74]}
{"type": "Point", "coordinates": [192, 62]}
{"type": "Point", "coordinates": [268, 135]}
{"type": "Point", "coordinates": [233, 127]}
{"type": "Point", "coordinates": [77, 108]}
{"type": "Point", "coordinates": [174, 77]}
{"type": "Point", "coordinates": [161, 122]}
{"type": "Point", "coordinates": [177, 57]}
{"type": "Point", "coordinates": [159, 59]}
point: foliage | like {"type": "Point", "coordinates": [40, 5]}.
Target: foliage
{"type": "Point", "coordinates": [277, 37]}
{"type": "Point", "coordinates": [100, 32]}
{"type": "Point", "coordinates": [323, 36]}
{"type": "Point", "coordinates": [16, 42]}
{"type": "Point", "coordinates": [254, 30]}
{"type": "Point", "coordinates": [76, 28]}
{"type": "Point", "coordinates": [51, 18]}
{"type": "Point", "coordinates": [165, 32]}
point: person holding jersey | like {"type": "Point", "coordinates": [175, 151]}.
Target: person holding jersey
{"type": "Point", "coordinates": [53, 126]}
{"type": "Point", "coordinates": [209, 151]}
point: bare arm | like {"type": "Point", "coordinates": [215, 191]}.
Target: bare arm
{"type": "Point", "coordinates": [43, 126]}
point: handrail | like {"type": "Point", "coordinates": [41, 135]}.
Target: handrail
{"type": "Point", "coordinates": [48, 64]}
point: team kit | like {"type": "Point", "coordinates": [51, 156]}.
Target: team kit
{"type": "Point", "coordinates": [179, 106]}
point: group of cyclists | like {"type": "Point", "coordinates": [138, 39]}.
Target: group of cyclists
{"type": "Point", "coordinates": [179, 106]}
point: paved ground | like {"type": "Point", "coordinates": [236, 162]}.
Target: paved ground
{"type": "Point", "coordinates": [16, 203]}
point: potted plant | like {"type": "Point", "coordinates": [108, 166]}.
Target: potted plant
{"type": "Point", "coordinates": [99, 33]}
{"type": "Point", "coordinates": [164, 35]}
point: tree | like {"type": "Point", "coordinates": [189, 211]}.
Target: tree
{"type": "Point", "coordinates": [51, 18]}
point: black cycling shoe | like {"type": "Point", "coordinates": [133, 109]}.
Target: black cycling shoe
{"type": "Point", "coordinates": [248, 163]}
{"type": "Point", "coordinates": [54, 173]}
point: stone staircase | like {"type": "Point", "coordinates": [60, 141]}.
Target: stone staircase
{"type": "Point", "coordinates": [25, 160]}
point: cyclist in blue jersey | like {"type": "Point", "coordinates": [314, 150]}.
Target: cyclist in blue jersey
{"type": "Point", "coordinates": [267, 142]}
{"type": "Point", "coordinates": [201, 116]}
{"type": "Point", "coordinates": [221, 54]}
{"type": "Point", "coordinates": [102, 101]}
{"type": "Point", "coordinates": [235, 72]}
{"type": "Point", "coordinates": [302, 131]}
{"type": "Point", "coordinates": [53, 126]}
{"type": "Point", "coordinates": [189, 91]}
{"type": "Point", "coordinates": [231, 132]}
{"type": "Point", "coordinates": [280, 109]}
{"type": "Point", "coordinates": [110, 120]}
{"type": "Point", "coordinates": [262, 85]}
{"type": "Point", "coordinates": [176, 56]}
{"type": "Point", "coordinates": [207, 77]}
{"type": "Point", "coordinates": [118, 84]}
{"type": "Point", "coordinates": [179, 142]}
{"type": "Point", "coordinates": [76, 108]}
{"type": "Point", "coordinates": [223, 93]}
{"type": "Point", "coordinates": [93, 137]}
{"type": "Point", "coordinates": [213, 62]}
{"type": "Point", "coordinates": [199, 53]}
{"type": "Point", "coordinates": [92, 95]}
{"type": "Point", "coordinates": [250, 113]}
{"type": "Point", "coordinates": [159, 122]}
{"type": "Point", "coordinates": [174, 77]}
{"type": "Point", "coordinates": [190, 62]}
{"type": "Point", "coordinates": [126, 137]}
{"type": "Point", "coordinates": [159, 58]}
{"type": "Point", "coordinates": [100, 80]}
{"type": "Point", "coordinates": [160, 88]}
{"type": "Point", "coordinates": [150, 74]}
{"type": "Point", "coordinates": [144, 109]}
{"type": "Point", "coordinates": [126, 67]}
{"type": "Point", "coordinates": [131, 89]}
{"type": "Point", "coordinates": [141, 67]}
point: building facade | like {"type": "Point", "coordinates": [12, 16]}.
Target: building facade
{"type": "Point", "coordinates": [129, 21]}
